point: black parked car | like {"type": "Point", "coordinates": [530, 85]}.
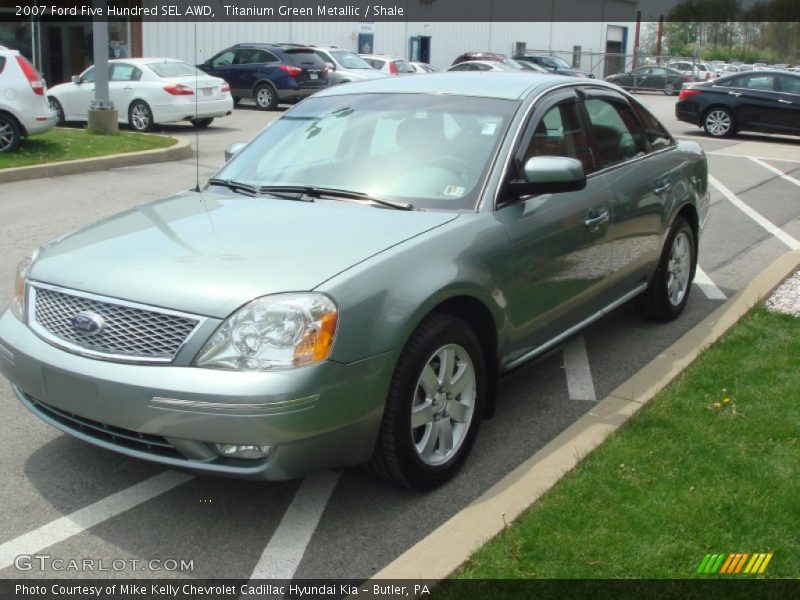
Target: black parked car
{"type": "Point", "coordinates": [269, 73]}
{"type": "Point", "coordinates": [553, 64]}
{"type": "Point", "coordinates": [662, 79]}
{"type": "Point", "coordinates": [765, 101]}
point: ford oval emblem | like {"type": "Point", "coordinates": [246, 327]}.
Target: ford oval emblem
{"type": "Point", "coordinates": [88, 323]}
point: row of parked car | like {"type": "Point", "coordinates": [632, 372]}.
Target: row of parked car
{"type": "Point", "coordinates": [147, 91]}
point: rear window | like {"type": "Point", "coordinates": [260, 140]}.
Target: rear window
{"type": "Point", "coordinates": [404, 67]}
{"type": "Point", "coordinates": [304, 57]}
{"type": "Point", "coordinates": [174, 69]}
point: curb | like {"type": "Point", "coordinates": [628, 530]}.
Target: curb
{"type": "Point", "coordinates": [445, 549]}
{"type": "Point", "coordinates": [181, 150]}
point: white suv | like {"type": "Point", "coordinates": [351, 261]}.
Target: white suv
{"type": "Point", "coordinates": [23, 103]}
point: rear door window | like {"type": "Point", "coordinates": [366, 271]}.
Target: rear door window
{"type": "Point", "coordinates": [2, 63]}
{"type": "Point", "coordinates": [788, 85]}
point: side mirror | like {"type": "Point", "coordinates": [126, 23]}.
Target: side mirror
{"type": "Point", "coordinates": [331, 66]}
{"type": "Point", "coordinates": [549, 175]}
{"type": "Point", "coordinates": [76, 79]}
{"type": "Point", "coordinates": [233, 149]}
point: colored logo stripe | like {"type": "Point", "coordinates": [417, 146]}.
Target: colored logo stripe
{"type": "Point", "coordinates": [735, 562]}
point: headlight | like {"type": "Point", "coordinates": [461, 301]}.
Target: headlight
{"type": "Point", "coordinates": [273, 332]}
{"type": "Point", "coordinates": [18, 301]}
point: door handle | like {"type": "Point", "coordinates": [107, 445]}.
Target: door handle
{"type": "Point", "coordinates": [782, 101]}
{"type": "Point", "coordinates": [127, 87]}
{"type": "Point", "coordinates": [660, 189]}
{"type": "Point", "coordinates": [737, 94]}
{"type": "Point", "coordinates": [596, 219]}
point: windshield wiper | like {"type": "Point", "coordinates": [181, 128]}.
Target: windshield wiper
{"type": "Point", "coordinates": [318, 192]}
{"type": "Point", "coordinates": [252, 190]}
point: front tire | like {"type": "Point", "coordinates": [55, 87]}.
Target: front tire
{"type": "Point", "coordinates": [10, 133]}
{"type": "Point", "coordinates": [266, 97]}
{"type": "Point", "coordinates": [56, 107]}
{"type": "Point", "coordinates": [140, 117]}
{"type": "Point", "coordinates": [434, 406]}
{"type": "Point", "coordinates": [668, 292]}
{"type": "Point", "coordinates": [718, 122]}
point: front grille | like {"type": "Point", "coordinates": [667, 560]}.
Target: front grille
{"type": "Point", "coordinates": [130, 332]}
{"type": "Point", "coordinates": [144, 442]}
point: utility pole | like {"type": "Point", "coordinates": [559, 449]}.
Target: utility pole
{"type": "Point", "coordinates": [102, 114]}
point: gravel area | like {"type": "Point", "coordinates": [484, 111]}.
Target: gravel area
{"type": "Point", "coordinates": [786, 298]}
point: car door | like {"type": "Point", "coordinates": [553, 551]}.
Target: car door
{"type": "Point", "coordinates": [789, 102]}
{"type": "Point", "coordinates": [641, 176]}
{"type": "Point", "coordinates": [640, 77]}
{"type": "Point", "coordinates": [756, 100]}
{"type": "Point", "coordinates": [121, 85]}
{"type": "Point", "coordinates": [559, 267]}
{"type": "Point", "coordinates": [656, 79]}
{"type": "Point", "coordinates": [75, 100]}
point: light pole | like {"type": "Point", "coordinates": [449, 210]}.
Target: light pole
{"type": "Point", "coordinates": [102, 114]}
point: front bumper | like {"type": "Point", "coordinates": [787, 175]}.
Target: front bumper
{"type": "Point", "coordinates": [318, 417]}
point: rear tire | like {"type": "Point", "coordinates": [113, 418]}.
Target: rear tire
{"type": "Point", "coordinates": [266, 97]}
{"type": "Point", "coordinates": [10, 133]}
{"type": "Point", "coordinates": [56, 107]}
{"type": "Point", "coordinates": [719, 122]}
{"type": "Point", "coordinates": [202, 123]}
{"type": "Point", "coordinates": [140, 117]}
{"type": "Point", "coordinates": [668, 292]}
{"type": "Point", "coordinates": [669, 89]}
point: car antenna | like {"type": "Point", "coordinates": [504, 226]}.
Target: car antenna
{"type": "Point", "coordinates": [196, 128]}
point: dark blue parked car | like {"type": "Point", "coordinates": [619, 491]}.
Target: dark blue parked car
{"type": "Point", "coordinates": [269, 73]}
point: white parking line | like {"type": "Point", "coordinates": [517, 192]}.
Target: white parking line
{"type": "Point", "coordinates": [765, 223]}
{"type": "Point", "coordinates": [576, 368]}
{"type": "Point", "coordinates": [709, 288]}
{"type": "Point", "coordinates": [89, 516]}
{"type": "Point", "coordinates": [775, 170]}
{"type": "Point", "coordinates": [287, 546]}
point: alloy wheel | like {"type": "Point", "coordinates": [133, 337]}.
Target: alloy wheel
{"type": "Point", "coordinates": [6, 135]}
{"type": "Point", "coordinates": [140, 117]}
{"type": "Point", "coordinates": [718, 123]}
{"type": "Point", "coordinates": [679, 268]}
{"type": "Point", "coordinates": [443, 405]}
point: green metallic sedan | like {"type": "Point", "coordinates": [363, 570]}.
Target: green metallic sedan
{"type": "Point", "coordinates": [349, 287]}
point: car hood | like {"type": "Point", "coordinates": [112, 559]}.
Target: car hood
{"type": "Point", "coordinates": [209, 253]}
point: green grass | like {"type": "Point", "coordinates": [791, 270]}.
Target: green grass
{"type": "Point", "coordinates": [71, 144]}
{"type": "Point", "coordinates": [684, 477]}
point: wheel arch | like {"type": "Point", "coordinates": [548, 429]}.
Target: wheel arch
{"type": "Point", "coordinates": [479, 317]}
{"type": "Point", "coordinates": [8, 113]}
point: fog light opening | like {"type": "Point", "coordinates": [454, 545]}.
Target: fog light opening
{"type": "Point", "coordinates": [245, 452]}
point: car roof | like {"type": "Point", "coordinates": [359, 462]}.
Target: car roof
{"type": "Point", "coordinates": [503, 85]}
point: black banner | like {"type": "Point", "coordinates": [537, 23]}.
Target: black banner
{"type": "Point", "coordinates": [404, 10]}
{"type": "Point", "coordinates": [472, 589]}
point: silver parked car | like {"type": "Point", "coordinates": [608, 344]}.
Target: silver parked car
{"type": "Point", "coordinates": [348, 288]}
{"type": "Point", "coordinates": [346, 66]}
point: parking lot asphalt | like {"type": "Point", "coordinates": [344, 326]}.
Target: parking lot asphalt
{"type": "Point", "coordinates": [70, 500]}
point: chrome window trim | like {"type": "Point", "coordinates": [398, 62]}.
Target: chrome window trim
{"type": "Point", "coordinates": [30, 320]}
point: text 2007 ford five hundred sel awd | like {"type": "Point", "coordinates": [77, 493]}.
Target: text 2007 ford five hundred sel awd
{"type": "Point", "coordinates": [349, 286]}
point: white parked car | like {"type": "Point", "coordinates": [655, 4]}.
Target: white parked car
{"type": "Point", "coordinates": [146, 91]}
{"type": "Point", "coordinates": [393, 65]}
{"type": "Point", "coordinates": [23, 107]}
{"type": "Point", "coordinates": [422, 68]}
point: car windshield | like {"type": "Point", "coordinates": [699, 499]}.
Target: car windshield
{"type": "Point", "coordinates": [174, 69]}
{"type": "Point", "coordinates": [430, 150]}
{"type": "Point", "coordinates": [350, 60]}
